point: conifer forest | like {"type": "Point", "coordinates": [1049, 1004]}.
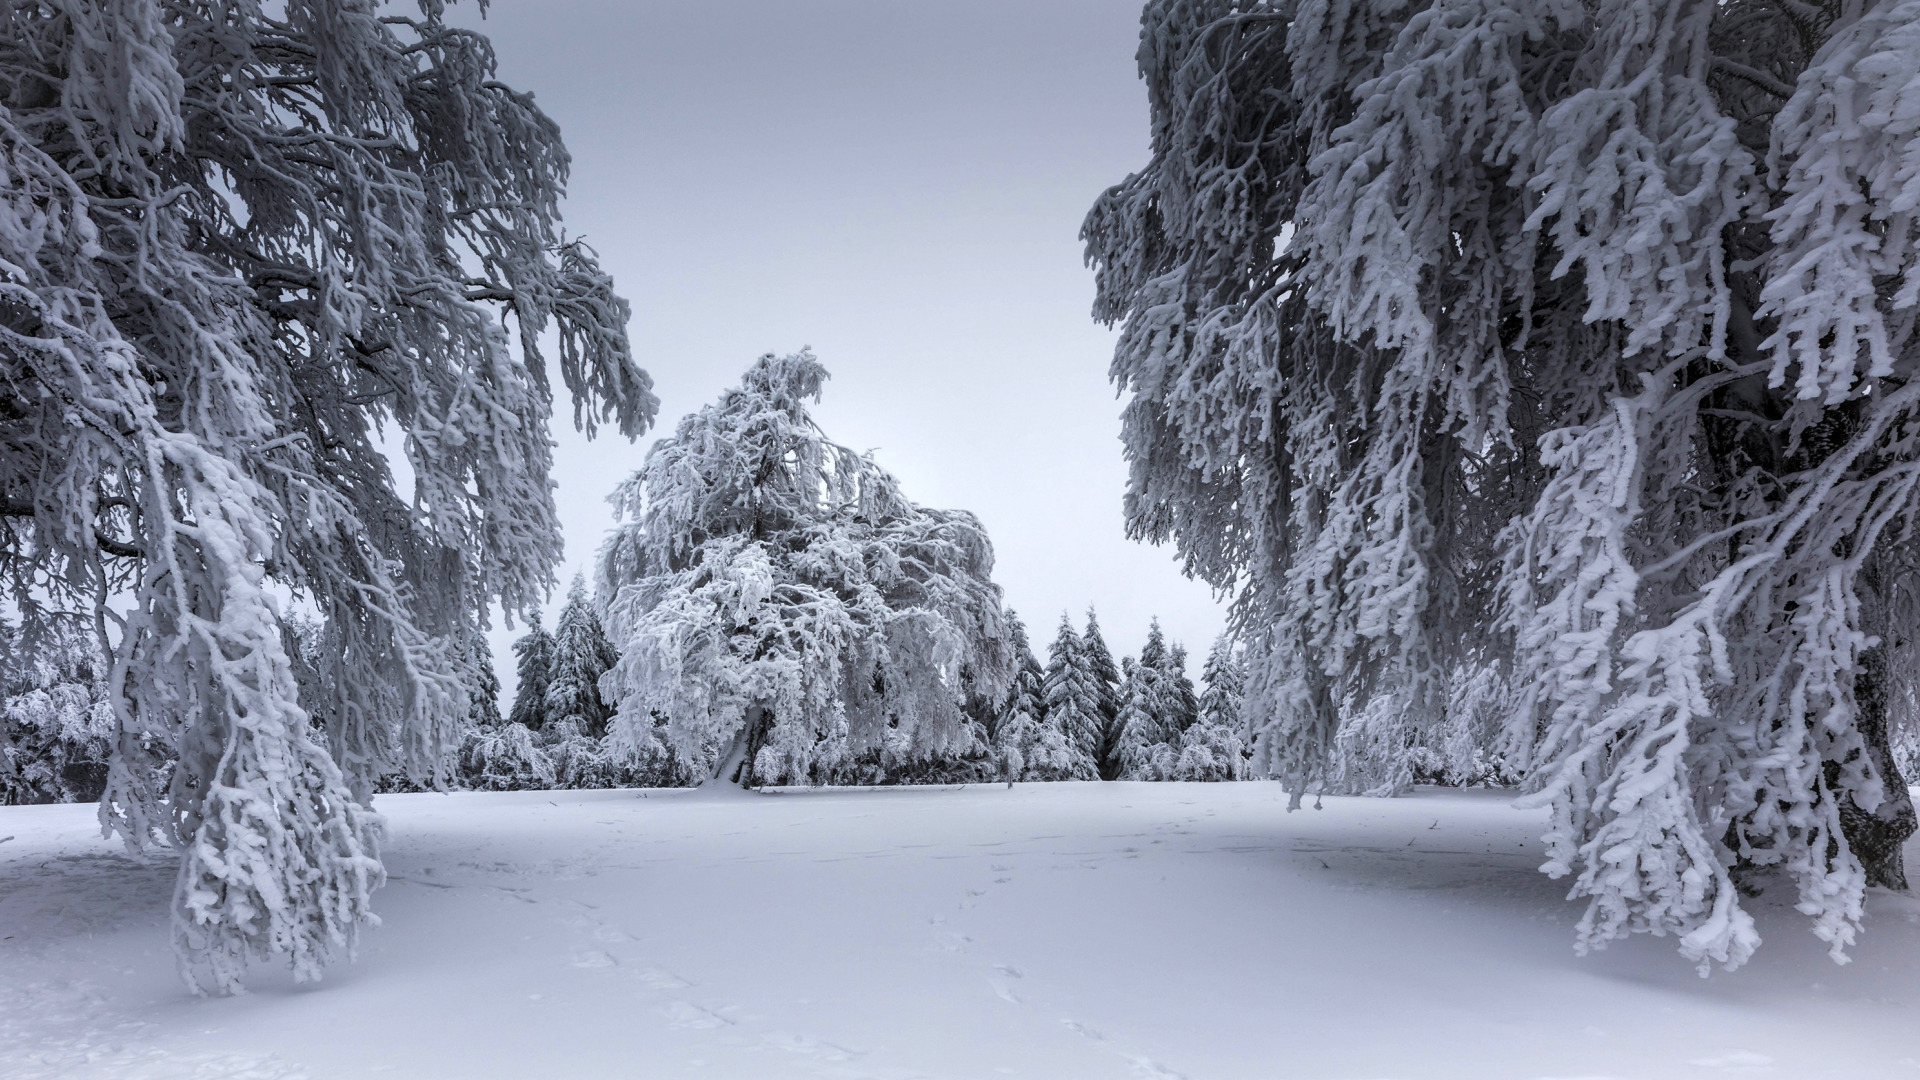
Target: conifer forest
{"type": "Point", "coordinates": [1296, 539]}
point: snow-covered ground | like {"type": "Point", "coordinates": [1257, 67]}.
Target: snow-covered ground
{"type": "Point", "coordinates": [1054, 931]}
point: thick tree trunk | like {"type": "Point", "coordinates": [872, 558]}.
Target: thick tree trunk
{"type": "Point", "coordinates": [735, 764]}
{"type": "Point", "coordinates": [1876, 838]}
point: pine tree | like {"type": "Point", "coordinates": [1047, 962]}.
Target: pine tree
{"type": "Point", "coordinates": [533, 675]}
{"type": "Point", "coordinates": [580, 655]}
{"type": "Point", "coordinates": [1566, 343]}
{"type": "Point", "coordinates": [778, 599]}
{"type": "Point", "coordinates": [1109, 698]}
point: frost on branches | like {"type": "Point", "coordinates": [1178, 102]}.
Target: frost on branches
{"type": "Point", "coordinates": [784, 607]}
{"type": "Point", "coordinates": [235, 242]}
{"type": "Point", "coordinates": [1541, 378]}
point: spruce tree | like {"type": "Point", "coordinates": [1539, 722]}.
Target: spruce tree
{"type": "Point", "coordinates": [483, 699]}
{"type": "Point", "coordinates": [1149, 732]}
{"type": "Point", "coordinates": [1029, 740]}
{"type": "Point", "coordinates": [581, 654]}
{"type": "Point", "coordinates": [1072, 704]}
{"type": "Point", "coordinates": [1103, 679]}
{"type": "Point", "coordinates": [1213, 747]}
{"type": "Point", "coordinates": [533, 673]}
{"type": "Point", "coordinates": [1183, 705]}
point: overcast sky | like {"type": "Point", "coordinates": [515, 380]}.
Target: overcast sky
{"type": "Point", "coordinates": [900, 186]}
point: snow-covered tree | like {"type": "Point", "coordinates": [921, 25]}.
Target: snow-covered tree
{"type": "Point", "coordinates": [1211, 748]}
{"type": "Point", "coordinates": [777, 599]}
{"type": "Point", "coordinates": [56, 719]}
{"type": "Point", "coordinates": [1635, 276]}
{"type": "Point", "coordinates": [1029, 741]}
{"type": "Point", "coordinates": [581, 654]}
{"type": "Point", "coordinates": [533, 675]}
{"type": "Point", "coordinates": [235, 242]}
{"type": "Point", "coordinates": [1072, 697]}
{"type": "Point", "coordinates": [1100, 671]}
{"type": "Point", "coordinates": [1149, 743]}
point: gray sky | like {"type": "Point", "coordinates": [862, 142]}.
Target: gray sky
{"type": "Point", "coordinates": [900, 186]}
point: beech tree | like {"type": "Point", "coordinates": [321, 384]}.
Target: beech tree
{"type": "Point", "coordinates": [237, 241]}
{"type": "Point", "coordinates": [1572, 342]}
{"type": "Point", "coordinates": [777, 599]}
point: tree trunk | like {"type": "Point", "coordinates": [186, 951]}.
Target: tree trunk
{"type": "Point", "coordinates": [1876, 838]}
{"type": "Point", "coordinates": [735, 764]}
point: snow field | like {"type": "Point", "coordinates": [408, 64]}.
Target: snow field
{"type": "Point", "coordinates": [1051, 931]}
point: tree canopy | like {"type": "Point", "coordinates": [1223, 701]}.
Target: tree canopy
{"type": "Point", "coordinates": [238, 242]}
{"type": "Point", "coordinates": [1564, 347]}
{"type": "Point", "coordinates": [783, 605]}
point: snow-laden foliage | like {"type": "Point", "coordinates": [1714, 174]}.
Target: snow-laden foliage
{"type": "Point", "coordinates": [1073, 699]}
{"type": "Point", "coordinates": [1028, 740]}
{"type": "Point", "coordinates": [1104, 677]}
{"type": "Point", "coordinates": [533, 673]}
{"type": "Point", "coordinates": [238, 242]}
{"type": "Point", "coordinates": [581, 655]}
{"type": "Point", "coordinates": [1550, 362]}
{"type": "Point", "coordinates": [1213, 747]}
{"type": "Point", "coordinates": [1150, 726]}
{"type": "Point", "coordinates": [780, 603]}
{"type": "Point", "coordinates": [56, 721]}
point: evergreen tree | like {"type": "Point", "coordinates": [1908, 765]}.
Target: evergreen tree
{"type": "Point", "coordinates": [1212, 748]}
{"type": "Point", "coordinates": [1071, 698]}
{"type": "Point", "coordinates": [1105, 680]}
{"type": "Point", "coordinates": [1030, 741]}
{"type": "Point", "coordinates": [1149, 732]}
{"type": "Point", "coordinates": [483, 709]}
{"type": "Point", "coordinates": [1183, 705]}
{"type": "Point", "coordinates": [781, 602]}
{"type": "Point", "coordinates": [533, 675]}
{"type": "Point", "coordinates": [56, 714]}
{"type": "Point", "coordinates": [580, 655]}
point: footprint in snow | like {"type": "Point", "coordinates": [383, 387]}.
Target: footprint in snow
{"type": "Point", "coordinates": [685, 1014]}
{"type": "Point", "coordinates": [612, 936]}
{"type": "Point", "coordinates": [948, 941]}
{"type": "Point", "coordinates": [1004, 992]}
{"type": "Point", "coordinates": [593, 958]}
{"type": "Point", "coordinates": [656, 979]}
